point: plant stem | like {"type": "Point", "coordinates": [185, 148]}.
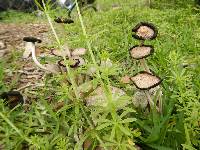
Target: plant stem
{"type": "Point", "coordinates": [15, 128]}
{"type": "Point", "coordinates": [95, 63]}
{"type": "Point", "coordinates": [60, 47]}
{"type": "Point", "coordinates": [92, 56]}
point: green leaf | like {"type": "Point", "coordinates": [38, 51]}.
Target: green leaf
{"type": "Point", "coordinates": [102, 126]}
{"type": "Point", "coordinates": [112, 135]}
{"type": "Point", "coordinates": [38, 4]}
{"type": "Point", "coordinates": [128, 120]}
{"type": "Point", "coordinates": [124, 130]}
{"type": "Point", "coordinates": [127, 111]}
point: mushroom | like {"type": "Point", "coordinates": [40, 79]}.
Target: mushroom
{"type": "Point", "coordinates": [12, 98]}
{"type": "Point", "coordinates": [69, 53]}
{"type": "Point", "coordinates": [79, 52]}
{"type": "Point", "coordinates": [30, 45]}
{"type": "Point", "coordinates": [63, 20]}
{"type": "Point", "coordinates": [98, 98]}
{"type": "Point", "coordinates": [140, 52]}
{"type": "Point", "coordinates": [30, 49]}
{"type": "Point", "coordinates": [145, 80]}
{"type": "Point", "coordinates": [76, 62]}
{"type": "Point", "coordinates": [60, 53]}
{"type": "Point", "coordinates": [145, 31]}
{"type": "Point", "coordinates": [73, 56]}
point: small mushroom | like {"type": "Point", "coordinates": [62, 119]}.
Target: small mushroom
{"type": "Point", "coordinates": [145, 80]}
{"type": "Point", "coordinates": [98, 98]}
{"type": "Point", "coordinates": [76, 62]}
{"type": "Point", "coordinates": [63, 20]}
{"type": "Point", "coordinates": [145, 31]}
{"type": "Point", "coordinates": [31, 49]}
{"type": "Point", "coordinates": [69, 53]}
{"type": "Point", "coordinates": [12, 98]}
{"type": "Point", "coordinates": [78, 52]}
{"type": "Point", "coordinates": [30, 45]}
{"type": "Point", "coordinates": [61, 53]}
{"type": "Point", "coordinates": [139, 52]}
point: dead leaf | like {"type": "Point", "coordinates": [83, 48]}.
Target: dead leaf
{"type": "Point", "coordinates": [125, 79]}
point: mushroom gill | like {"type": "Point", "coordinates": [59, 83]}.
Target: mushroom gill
{"type": "Point", "coordinates": [145, 80]}
{"type": "Point", "coordinates": [139, 52]}
{"type": "Point", "coordinates": [145, 31]}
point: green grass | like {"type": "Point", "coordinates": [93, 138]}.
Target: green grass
{"type": "Point", "coordinates": [109, 35]}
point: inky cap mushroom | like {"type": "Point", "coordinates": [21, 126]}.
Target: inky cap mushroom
{"type": "Point", "coordinates": [77, 61]}
{"type": "Point", "coordinates": [145, 80]}
{"type": "Point", "coordinates": [145, 31]}
{"type": "Point", "coordinates": [61, 53]}
{"type": "Point", "coordinates": [78, 52]}
{"type": "Point", "coordinates": [63, 20]}
{"type": "Point", "coordinates": [139, 52]}
{"type": "Point", "coordinates": [32, 39]}
{"type": "Point", "coordinates": [12, 98]}
{"type": "Point", "coordinates": [30, 45]}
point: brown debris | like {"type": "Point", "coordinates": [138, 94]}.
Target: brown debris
{"type": "Point", "coordinates": [125, 79]}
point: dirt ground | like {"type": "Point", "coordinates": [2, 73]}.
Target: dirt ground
{"type": "Point", "coordinates": [12, 34]}
{"type": "Point", "coordinates": [23, 75]}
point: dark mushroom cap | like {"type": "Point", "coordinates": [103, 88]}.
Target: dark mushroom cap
{"type": "Point", "coordinates": [32, 39]}
{"type": "Point", "coordinates": [145, 80]}
{"type": "Point", "coordinates": [63, 20]}
{"type": "Point", "coordinates": [12, 98]}
{"type": "Point", "coordinates": [145, 31]}
{"type": "Point", "coordinates": [77, 61]}
{"type": "Point", "coordinates": [139, 52]}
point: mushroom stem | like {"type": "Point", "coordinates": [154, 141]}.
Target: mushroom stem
{"type": "Point", "coordinates": [35, 59]}
{"type": "Point", "coordinates": [150, 101]}
{"type": "Point", "coordinates": [30, 46]}
{"type": "Point", "coordinates": [144, 65]}
{"type": "Point", "coordinates": [142, 43]}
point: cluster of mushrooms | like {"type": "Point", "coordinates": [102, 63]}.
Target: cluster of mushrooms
{"type": "Point", "coordinates": [74, 56]}
{"type": "Point", "coordinates": [145, 81]}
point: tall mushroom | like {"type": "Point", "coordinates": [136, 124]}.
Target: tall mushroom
{"type": "Point", "coordinates": [30, 49]}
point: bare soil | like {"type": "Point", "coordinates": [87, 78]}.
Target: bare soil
{"type": "Point", "coordinates": [12, 34]}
